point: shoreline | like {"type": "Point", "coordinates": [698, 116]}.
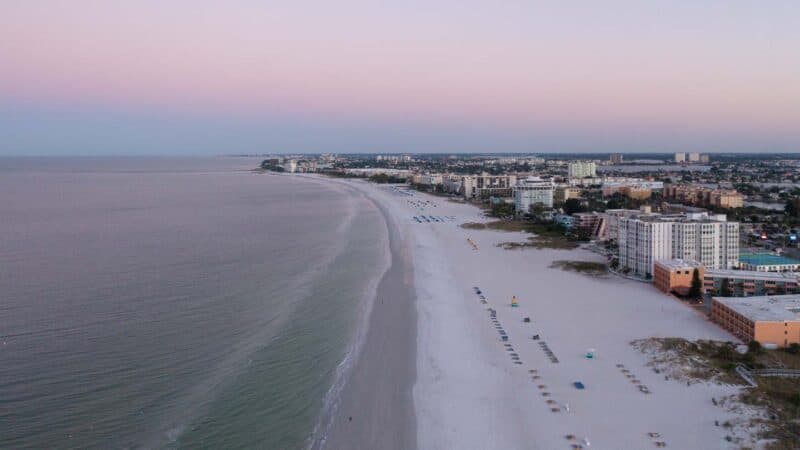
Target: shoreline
{"type": "Point", "coordinates": [375, 408]}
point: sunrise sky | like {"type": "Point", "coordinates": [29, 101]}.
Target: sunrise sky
{"type": "Point", "coordinates": [244, 76]}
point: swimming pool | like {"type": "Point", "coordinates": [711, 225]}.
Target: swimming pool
{"type": "Point", "coordinates": [765, 259]}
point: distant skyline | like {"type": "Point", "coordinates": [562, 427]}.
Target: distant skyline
{"type": "Point", "coordinates": [204, 77]}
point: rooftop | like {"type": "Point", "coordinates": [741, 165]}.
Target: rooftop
{"type": "Point", "coordinates": [532, 180]}
{"type": "Point", "coordinates": [753, 275]}
{"type": "Point", "coordinates": [766, 259]}
{"type": "Point", "coordinates": [675, 264]}
{"type": "Point", "coordinates": [767, 308]}
{"type": "Point", "coordinates": [682, 217]}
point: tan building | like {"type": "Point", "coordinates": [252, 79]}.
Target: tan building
{"type": "Point", "coordinates": [766, 319]}
{"type": "Point", "coordinates": [563, 193]}
{"type": "Point", "coordinates": [633, 192]}
{"type": "Point", "coordinates": [726, 198]}
{"type": "Point", "coordinates": [703, 196]}
{"type": "Point", "coordinates": [675, 275]}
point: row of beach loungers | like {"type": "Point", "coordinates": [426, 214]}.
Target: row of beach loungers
{"type": "Point", "coordinates": [429, 219]}
{"type": "Point", "coordinates": [574, 442]}
{"type": "Point", "coordinates": [635, 381]}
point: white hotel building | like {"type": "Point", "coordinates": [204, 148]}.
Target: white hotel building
{"type": "Point", "coordinates": [532, 191]}
{"type": "Point", "coordinates": [708, 239]}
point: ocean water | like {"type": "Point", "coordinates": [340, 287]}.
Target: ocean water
{"type": "Point", "coordinates": [176, 303]}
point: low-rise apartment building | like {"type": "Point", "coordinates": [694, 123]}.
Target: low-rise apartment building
{"type": "Point", "coordinates": [768, 262]}
{"type": "Point", "coordinates": [636, 192]}
{"type": "Point", "coordinates": [484, 186]}
{"type": "Point", "coordinates": [748, 283]}
{"type": "Point", "coordinates": [676, 275]}
{"type": "Point", "coordinates": [589, 225]}
{"type": "Point", "coordinates": [703, 196]}
{"type": "Point", "coordinates": [562, 193]}
{"type": "Point", "coordinates": [766, 319]}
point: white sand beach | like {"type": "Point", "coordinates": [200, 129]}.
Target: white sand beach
{"type": "Point", "coordinates": [470, 393]}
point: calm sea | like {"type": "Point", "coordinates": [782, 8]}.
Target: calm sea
{"type": "Point", "coordinates": [175, 303]}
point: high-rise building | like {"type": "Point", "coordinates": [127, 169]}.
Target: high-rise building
{"type": "Point", "coordinates": [582, 169]}
{"type": "Point", "coordinates": [694, 157]}
{"type": "Point", "coordinates": [533, 191]}
{"type": "Point", "coordinates": [680, 157]}
{"type": "Point", "coordinates": [615, 158]}
{"type": "Point", "coordinates": [646, 238]}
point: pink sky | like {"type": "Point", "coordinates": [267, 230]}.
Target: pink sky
{"type": "Point", "coordinates": [603, 66]}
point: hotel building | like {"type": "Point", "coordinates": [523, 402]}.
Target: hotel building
{"type": "Point", "coordinates": [708, 239]}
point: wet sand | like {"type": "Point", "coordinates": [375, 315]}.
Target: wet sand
{"type": "Point", "coordinates": [376, 409]}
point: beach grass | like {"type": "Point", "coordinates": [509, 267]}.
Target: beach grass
{"type": "Point", "coordinates": [703, 361]}
{"type": "Point", "coordinates": [595, 269]}
{"type": "Point", "coordinates": [545, 235]}
{"type": "Point", "coordinates": [500, 225]}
